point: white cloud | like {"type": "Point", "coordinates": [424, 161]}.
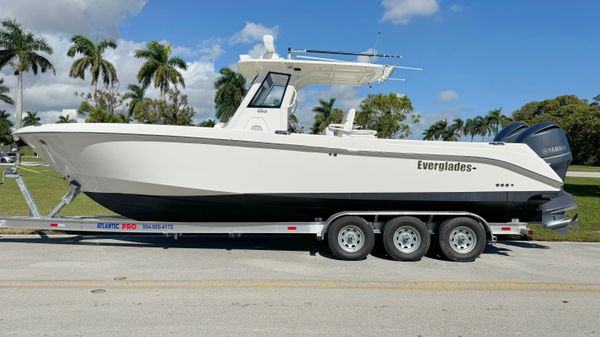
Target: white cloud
{"type": "Point", "coordinates": [402, 11]}
{"type": "Point", "coordinates": [427, 119]}
{"type": "Point", "coordinates": [367, 59]}
{"type": "Point", "coordinates": [207, 53]}
{"type": "Point", "coordinates": [448, 96]}
{"type": "Point", "coordinates": [257, 50]}
{"type": "Point", "coordinates": [253, 32]}
{"type": "Point", "coordinates": [211, 53]}
{"type": "Point", "coordinates": [346, 98]}
{"type": "Point", "coordinates": [199, 86]}
{"type": "Point", "coordinates": [456, 8]}
{"type": "Point", "coordinates": [51, 116]}
{"type": "Point", "coordinates": [72, 16]}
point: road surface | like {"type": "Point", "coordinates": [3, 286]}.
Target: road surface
{"type": "Point", "coordinates": [282, 286]}
{"type": "Point", "coordinates": [583, 174]}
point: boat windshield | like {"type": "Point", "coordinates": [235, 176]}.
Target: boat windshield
{"type": "Point", "coordinates": [271, 91]}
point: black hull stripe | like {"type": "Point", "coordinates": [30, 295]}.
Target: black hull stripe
{"type": "Point", "coordinates": [318, 149]}
{"type": "Point", "coordinates": [494, 206]}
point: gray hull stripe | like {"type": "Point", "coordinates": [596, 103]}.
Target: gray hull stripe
{"type": "Point", "coordinates": [362, 153]}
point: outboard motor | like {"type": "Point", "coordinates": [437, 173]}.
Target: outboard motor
{"type": "Point", "coordinates": [510, 133]}
{"type": "Point", "coordinates": [549, 141]}
{"type": "Point", "coordinates": [546, 139]}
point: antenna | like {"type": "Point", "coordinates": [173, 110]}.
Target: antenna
{"type": "Point", "coordinates": [376, 40]}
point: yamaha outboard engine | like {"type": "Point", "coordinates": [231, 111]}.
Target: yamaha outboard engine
{"type": "Point", "coordinates": [547, 139]}
{"type": "Point", "coordinates": [510, 133]}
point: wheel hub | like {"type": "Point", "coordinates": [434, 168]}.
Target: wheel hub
{"type": "Point", "coordinates": [463, 240]}
{"type": "Point", "coordinates": [351, 238]}
{"type": "Point", "coordinates": [407, 239]}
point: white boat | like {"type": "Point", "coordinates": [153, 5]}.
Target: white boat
{"type": "Point", "coordinates": [253, 169]}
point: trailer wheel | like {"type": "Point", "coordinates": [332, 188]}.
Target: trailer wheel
{"type": "Point", "coordinates": [350, 238]}
{"type": "Point", "coordinates": [462, 239]}
{"type": "Point", "coordinates": [406, 238]}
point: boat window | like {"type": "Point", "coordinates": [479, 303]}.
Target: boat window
{"type": "Point", "coordinates": [271, 91]}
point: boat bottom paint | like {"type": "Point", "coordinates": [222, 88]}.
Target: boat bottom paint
{"type": "Point", "coordinates": [493, 206]}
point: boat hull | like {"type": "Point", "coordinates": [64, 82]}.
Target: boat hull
{"type": "Point", "coordinates": [191, 174]}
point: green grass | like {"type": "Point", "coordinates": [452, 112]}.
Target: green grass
{"type": "Point", "coordinates": [587, 197]}
{"type": "Point", "coordinates": [47, 187]}
{"type": "Point", "coordinates": [27, 155]}
{"type": "Point", "coordinates": [581, 168]}
{"type": "Point", "coordinates": [26, 151]}
{"type": "Point", "coordinates": [31, 159]}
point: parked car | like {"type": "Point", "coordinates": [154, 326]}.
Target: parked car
{"type": "Point", "coordinates": [9, 157]}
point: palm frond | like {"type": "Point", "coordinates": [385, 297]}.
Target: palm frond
{"type": "Point", "coordinates": [177, 62]}
{"type": "Point", "coordinates": [42, 62]}
{"type": "Point", "coordinates": [104, 44]}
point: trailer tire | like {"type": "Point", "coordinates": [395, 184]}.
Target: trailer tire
{"type": "Point", "coordinates": [462, 239]}
{"type": "Point", "coordinates": [350, 238]}
{"type": "Point", "coordinates": [406, 238]}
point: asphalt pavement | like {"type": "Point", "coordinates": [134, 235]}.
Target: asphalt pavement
{"type": "Point", "coordinates": [583, 174]}
{"type": "Point", "coordinates": [289, 286]}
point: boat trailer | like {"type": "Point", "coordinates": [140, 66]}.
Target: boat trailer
{"type": "Point", "coordinates": [318, 227]}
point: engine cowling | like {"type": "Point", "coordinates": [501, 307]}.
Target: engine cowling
{"type": "Point", "coordinates": [547, 139]}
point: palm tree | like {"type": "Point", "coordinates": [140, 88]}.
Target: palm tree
{"type": "Point", "coordinates": [65, 119]}
{"type": "Point", "coordinates": [323, 113]}
{"type": "Point", "coordinates": [6, 136]}
{"type": "Point", "coordinates": [31, 119]}
{"type": "Point", "coordinates": [19, 49]}
{"type": "Point", "coordinates": [450, 134]}
{"type": "Point", "coordinates": [481, 127]}
{"type": "Point", "coordinates": [4, 117]}
{"type": "Point", "coordinates": [432, 133]}
{"type": "Point", "coordinates": [209, 123]}
{"type": "Point", "coordinates": [505, 120]}
{"type": "Point", "coordinates": [470, 128]}
{"type": "Point", "coordinates": [436, 131]}
{"type": "Point", "coordinates": [160, 68]}
{"type": "Point", "coordinates": [293, 125]}
{"type": "Point", "coordinates": [459, 127]}
{"type": "Point", "coordinates": [429, 133]}
{"type": "Point", "coordinates": [494, 120]}
{"type": "Point", "coordinates": [3, 97]}
{"type": "Point", "coordinates": [92, 59]}
{"type": "Point", "coordinates": [231, 89]}
{"type": "Point", "coordinates": [135, 95]}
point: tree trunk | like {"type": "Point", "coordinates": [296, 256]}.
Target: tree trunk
{"type": "Point", "coordinates": [19, 111]}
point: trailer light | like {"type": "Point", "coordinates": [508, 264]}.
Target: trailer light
{"type": "Point", "coordinates": [53, 225]}
{"type": "Point", "coordinates": [291, 228]}
{"type": "Point", "coordinates": [505, 228]}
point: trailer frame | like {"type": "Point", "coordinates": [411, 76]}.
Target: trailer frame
{"type": "Point", "coordinates": [318, 227]}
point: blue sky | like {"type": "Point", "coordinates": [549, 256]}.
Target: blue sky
{"type": "Point", "coordinates": [477, 55]}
